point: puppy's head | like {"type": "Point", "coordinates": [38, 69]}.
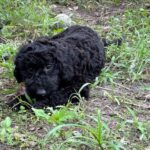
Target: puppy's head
{"type": "Point", "coordinates": [37, 68]}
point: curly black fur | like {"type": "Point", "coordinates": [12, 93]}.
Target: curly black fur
{"type": "Point", "coordinates": [53, 68]}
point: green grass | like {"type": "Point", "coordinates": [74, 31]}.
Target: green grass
{"type": "Point", "coordinates": [94, 137]}
{"type": "Point", "coordinates": [62, 115]}
{"type": "Point", "coordinates": [6, 131]}
{"type": "Point", "coordinates": [72, 126]}
{"type": "Point", "coordinates": [25, 18]}
{"type": "Point", "coordinates": [7, 52]}
{"type": "Point", "coordinates": [129, 61]}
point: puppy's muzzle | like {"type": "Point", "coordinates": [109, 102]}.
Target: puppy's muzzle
{"type": "Point", "coordinates": [41, 92]}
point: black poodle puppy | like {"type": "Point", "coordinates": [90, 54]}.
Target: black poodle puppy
{"type": "Point", "coordinates": [53, 68]}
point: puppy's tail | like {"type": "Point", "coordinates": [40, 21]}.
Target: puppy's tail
{"type": "Point", "coordinates": [117, 42]}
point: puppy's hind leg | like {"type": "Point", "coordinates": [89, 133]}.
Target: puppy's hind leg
{"type": "Point", "coordinates": [85, 93]}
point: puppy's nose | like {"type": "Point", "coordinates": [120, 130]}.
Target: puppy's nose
{"type": "Point", "coordinates": [41, 92]}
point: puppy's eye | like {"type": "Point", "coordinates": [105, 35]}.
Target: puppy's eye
{"type": "Point", "coordinates": [30, 69]}
{"type": "Point", "coordinates": [48, 68]}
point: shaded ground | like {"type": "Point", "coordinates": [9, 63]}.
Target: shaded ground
{"type": "Point", "coordinates": [132, 95]}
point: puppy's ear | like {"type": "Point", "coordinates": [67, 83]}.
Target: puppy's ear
{"type": "Point", "coordinates": [17, 75]}
{"type": "Point", "coordinates": [18, 61]}
{"type": "Point", "coordinates": [17, 70]}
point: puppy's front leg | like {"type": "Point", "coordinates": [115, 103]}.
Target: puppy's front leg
{"type": "Point", "coordinates": [60, 97]}
{"type": "Point", "coordinates": [41, 103]}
